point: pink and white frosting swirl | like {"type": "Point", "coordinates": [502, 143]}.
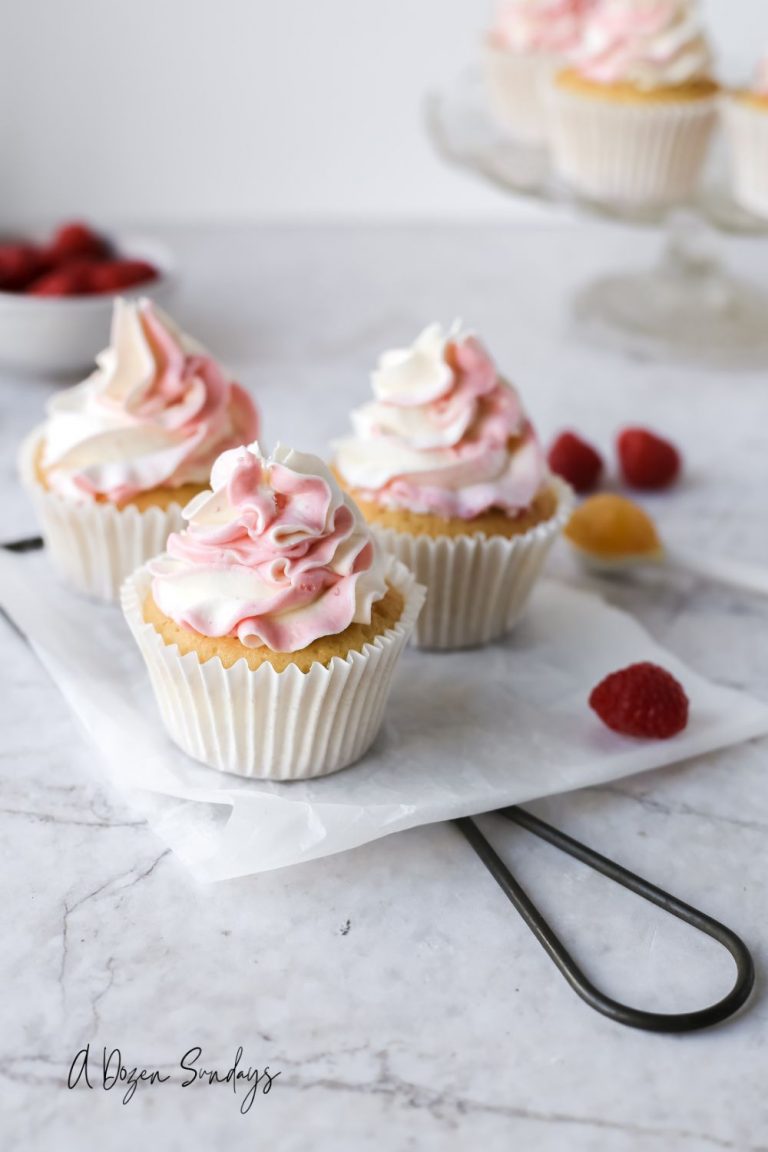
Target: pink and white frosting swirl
{"type": "Point", "coordinates": [156, 412]}
{"type": "Point", "coordinates": [649, 44]}
{"type": "Point", "coordinates": [552, 27]}
{"type": "Point", "coordinates": [761, 80]}
{"type": "Point", "coordinates": [274, 554]}
{"type": "Point", "coordinates": [445, 434]}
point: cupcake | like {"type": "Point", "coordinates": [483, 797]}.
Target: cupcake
{"type": "Point", "coordinates": [746, 123]}
{"type": "Point", "coordinates": [122, 453]}
{"type": "Point", "coordinates": [272, 625]}
{"type": "Point", "coordinates": [527, 44]}
{"type": "Point", "coordinates": [447, 470]}
{"type": "Point", "coordinates": [633, 117]}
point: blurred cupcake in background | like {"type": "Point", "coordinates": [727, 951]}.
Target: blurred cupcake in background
{"type": "Point", "coordinates": [633, 116]}
{"type": "Point", "coordinates": [528, 42]}
{"type": "Point", "coordinates": [122, 453]}
{"type": "Point", "coordinates": [446, 467]}
{"type": "Point", "coordinates": [746, 122]}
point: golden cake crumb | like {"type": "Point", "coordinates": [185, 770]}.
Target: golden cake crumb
{"type": "Point", "coordinates": [757, 100]}
{"type": "Point", "coordinates": [573, 81]}
{"type": "Point", "coordinates": [494, 522]}
{"type": "Point", "coordinates": [384, 615]}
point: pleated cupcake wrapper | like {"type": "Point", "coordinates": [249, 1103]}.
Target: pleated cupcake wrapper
{"type": "Point", "coordinates": [635, 155]}
{"type": "Point", "coordinates": [288, 725]}
{"type": "Point", "coordinates": [747, 131]}
{"type": "Point", "coordinates": [477, 586]}
{"type": "Point", "coordinates": [518, 87]}
{"type": "Point", "coordinates": [95, 546]}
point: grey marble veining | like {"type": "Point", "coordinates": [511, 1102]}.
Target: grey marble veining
{"type": "Point", "coordinates": [400, 998]}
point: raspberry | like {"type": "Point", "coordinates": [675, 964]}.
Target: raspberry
{"type": "Point", "coordinates": [641, 700]}
{"type": "Point", "coordinates": [77, 240]}
{"type": "Point", "coordinates": [646, 460]}
{"type": "Point", "coordinates": [576, 461]}
{"type": "Point", "coordinates": [20, 264]}
{"type": "Point", "coordinates": [114, 275]}
{"type": "Point", "coordinates": [67, 280]}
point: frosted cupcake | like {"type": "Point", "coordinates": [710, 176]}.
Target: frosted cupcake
{"type": "Point", "coordinates": [123, 452]}
{"type": "Point", "coordinates": [447, 469]}
{"type": "Point", "coordinates": [527, 44]}
{"type": "Point", "coordinates": [746, 121]}
{"type": "Point", "coordinates": [633, 117]}
{"type": "Point", "coordinates": [272, 626]}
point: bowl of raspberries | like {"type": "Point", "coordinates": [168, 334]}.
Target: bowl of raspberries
{"type": "Point", "coordinates": [57, 292]}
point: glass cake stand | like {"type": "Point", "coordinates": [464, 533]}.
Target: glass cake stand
{"type": "Point", "coordinates": [687, 307]}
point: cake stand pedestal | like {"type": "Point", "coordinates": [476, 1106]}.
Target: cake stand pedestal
{"type": "Point", "coordinates": [688, 307]}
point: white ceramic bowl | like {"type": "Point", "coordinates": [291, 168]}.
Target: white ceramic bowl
{"type": "Point", "coordinates": [60, 336]}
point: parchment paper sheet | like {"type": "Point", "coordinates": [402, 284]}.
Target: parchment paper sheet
{"type": "Point", "coordinates": [464, 732]}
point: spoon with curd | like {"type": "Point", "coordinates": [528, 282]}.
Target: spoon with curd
{"type": "Point", "coordinates": [613, 536]}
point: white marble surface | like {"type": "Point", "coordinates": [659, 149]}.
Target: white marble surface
{"type": "Point", "coordinates": [402, 1000]}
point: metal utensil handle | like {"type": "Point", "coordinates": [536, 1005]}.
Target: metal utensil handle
{"type": "Point", "coordinates": [558, 953]}
{"type": "Point", "coordinates": [29, 544]}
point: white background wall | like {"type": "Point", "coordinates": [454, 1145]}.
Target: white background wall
{"type": "Point", "coordinates": [224, 109]}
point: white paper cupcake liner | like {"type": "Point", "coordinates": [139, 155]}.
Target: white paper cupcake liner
{"type": "Point", "coordinates": [288, 725]}
{"type": "Point", "coordinates": [518, 87]}
{"type": "Point", "coordinates": [477, 586]}
{"type": "Point", "coordinates": [630, 154]}
{"type": "Point", "coordinates": [95, 546]}
{"type": "Point", "coordinates": [747, 131]}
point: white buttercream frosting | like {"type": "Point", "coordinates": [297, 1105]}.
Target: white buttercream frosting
{"type": "Point", "coordinates": [551, 27]}
{"type": "Point", "coordinates": [445, 434]}
{"type": "Point", "coordinates": [156, 412]}
{"type": "Point", "coordinates": [650, 44]}
{"type": "Point", "coordinates": [275, 553]}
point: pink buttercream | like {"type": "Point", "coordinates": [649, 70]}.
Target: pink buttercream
{"type": "Point", "coordinates": [761, 81]}
{"type": "Point", "coordinates": [547, 26]}
{"type": "Point", "coordinates": [463, 447]}
{"type": "Point", "coordinates": [649, 43]}
{"type": "Point", "coordinates": [275, 554]}
{"type": "Point", "coordinates": [156, 413]}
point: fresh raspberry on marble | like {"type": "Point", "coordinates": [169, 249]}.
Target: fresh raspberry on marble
{"type": "Point", "coordinates": [576, 461]}
{"type": "Point", "coordinates": [647, 460]}
{"type": "Point", "coordinates": [643, 700]}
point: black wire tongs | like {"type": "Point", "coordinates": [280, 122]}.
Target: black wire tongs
{"type": "Point", "coordinates": [559, 954]}
{"type": "Point", "coordinates": [548, 938]}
